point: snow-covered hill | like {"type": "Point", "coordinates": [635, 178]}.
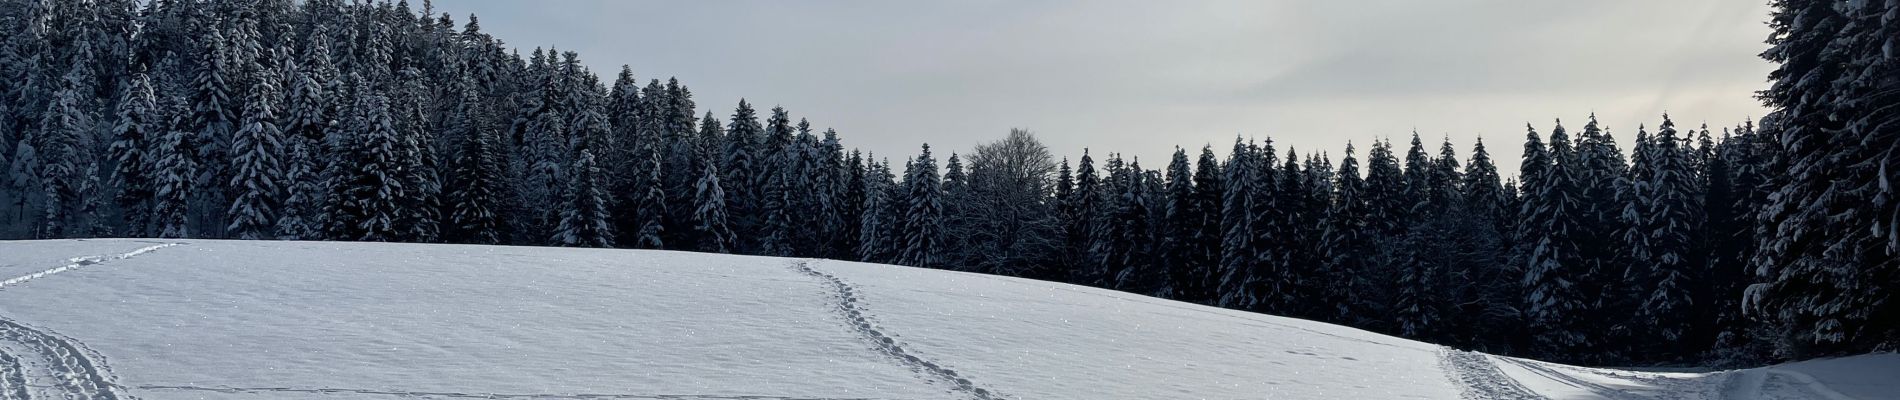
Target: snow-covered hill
{"type": "Point", "coordinates": [307, 320]}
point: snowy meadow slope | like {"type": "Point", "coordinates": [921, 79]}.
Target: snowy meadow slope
{"type": "Point", "coordinates": [120, 319]}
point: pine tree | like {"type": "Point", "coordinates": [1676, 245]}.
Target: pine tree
{"type": "Point", "coordinates": [708, 145]}
{"type": "Point", "coordinates": [742, 176]}
{"type": "Point", "coordinates": [1134, 267]}
{"type": "Point", "coordinates": [1180, 237]}
{"type": "Point", "coordinates": [1268, 289]}
{"type": "Point", "coordinates": [61, 143]}
{"type": "Point", "coordinates": [139, 124]}
{"type": "Point", "coordinates": [652, 205]}
{"type": "Point", "coordinates": [173, 174]}
{"type": "Point", "coordinates": [1296, 227]}
{"type": "Point", "coordinates": [1090, 205]}
{"type": "Point", "coordinates": [421, 209]}
{"type": "Point", "coordinates": [584, 217]}
{"type": "Point", "coordinates": [1827, 231]}
{"type": "Point", "coordinates": [1206, 249]}
{"type": "Point", "coordinates": [923, 218]}
{"type": "Point", "coordinates": [709, 208]}
{"type": "Point", "coordinates": [371, 185]}
{"type": "Point", "coordinates": [476, 198]}
{"type": "Point", "coordinates": [1344, 245]}
{"type": "Point", "coordinates": [1661, 241]}
{"type": "Point", "coordinates": [877, 227]}
{"type": "Point", "coordinates": [1553, 268]}
{"type": "Point", "coordinates": [257, 168]}
{"type": "Point", "coordinates": [213, 117]}
{"type": "Point", "coordinates": [776, 201]}
{"type": "Point", "coordinates": [853, 206]}
{"type": "Point", "coordinates": [1237, 226]}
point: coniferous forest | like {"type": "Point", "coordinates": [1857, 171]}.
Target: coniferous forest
{"type": "Point", "coordinates": [354, 121]}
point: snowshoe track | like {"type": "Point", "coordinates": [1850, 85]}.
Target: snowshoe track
{"type": "Point", "coordinates": [58, 368]}
{"type": "Point", "coordinates": [1478, 379]}
{"type": "Point", "coordinates": [846, 296]}
{"type": "Point", "coordinates": [12, 377]}
{"type": "Point", "coordinates": [37, 363]}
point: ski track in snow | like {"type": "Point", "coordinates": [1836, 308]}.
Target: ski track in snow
{"type": "Point", "coordinates": [41, 363]}
{"type": "Point", "coordinates": [1657, 387]}
{"type": "Point", "coordinates": [847, 298]}
{"type": "Point", "coordinates": [472, 395]}
{"type": "Point", "coordinates": [82, 262]}
{"type": "Point", "coordinates": [1478, 379]}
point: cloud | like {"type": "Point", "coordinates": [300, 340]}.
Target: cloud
{"type": "Point", "coordinates": [1141, 77]}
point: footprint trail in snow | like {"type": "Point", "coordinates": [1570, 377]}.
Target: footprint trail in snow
{"type": "Point", "coordinates": [847, 304]}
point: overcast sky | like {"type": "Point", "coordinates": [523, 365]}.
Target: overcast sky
{"type": "Point", "coordinates": [1141, 77]}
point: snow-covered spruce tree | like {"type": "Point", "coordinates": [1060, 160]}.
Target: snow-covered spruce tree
{"type": "Point", "coordinates": [1205, 252]}
{"type": "Point", "coordinates": [1104, 253]}
{"type": "Point", "coordinates": [1388, 209]}
{"type": "Point", "coordinates": [1296, 257]}
{"type": "Point", "coordinates": [1488, 203]}
{"type": "Point", "coordinates": [1090, 204]}
{"type": "Point", "coordinates": [1069, 251]}
{"type": "Point", "coordinates": [1344, 247]}
{"type": "Point", "coordinates": [1269, 283]}
{"type": "Point", "coordinates": [877, 227]}
{"type": "Point", "coordinates": [1386, 192]}
{"type": "Point", "coordinates": [1236, 258]}
{"type": "Point", "coordinates": [1553, 303]}
{"type": "Point", "coordinates": [1418, 182]}
{"type": "Point", "coordinates": [1180, 230]}
{"type": "Point", "coordinates": [140, 122]}
{"type": "Point", "coordinates": [1316, 297]}
{"type": "Point", "coordinates": [801, 197]}
{"type": "Point", "coordinates": [652, 205]}
{"type": "Point", "coordinates": [1662, 243]}
{"type": "Point", "coordinates": [836, 217]}
{"type": "Point", "coordinates": [853, 206]}
{"type": "Point", "coordinates": [214, 119]}
{"type": "Point", "coordinates": [922, 240]}
{"type": "Point", "coordinates": [296, 219]}
{"type": "Point", "coordinates": [1133, 265]}
{"type": "Point", "coordinates": [476, 199]}
{"type": "Point", "coordinates": [708, 148]}
{"type": "Point", "coordinates": [62, 144]}
{"type": "Point", "coordinates": [780, 180]}
{"type": "Point", "coordinates": [1720, 239]}
{"type": "Point", "coordinates": [371, 185]}
{"type": "Point", "coordinates": [957, 215]}
{"type": "Point", "coordinates": [742, 177]}
{"type": "Point", "coordinates": [709, 208]}
{"type": "Point", "coordinates": [543, 146]}
{"type": "Point", "coordinates": [306, 123]}
{"type": "Point", "coordinates": [680, 161]}
{"type": "Point", "coordinates": [584, 214]}
{"type": "Point", "coordinates": [173, 173]}
{"type": "Point", "coordinates": [829, 192]}
{"type": "Point", "coordinates": [1484, 193]}
{"type": "Point", "coordinates": [1827, 237]}
{"type": "Point", "coordinates": [421, 169]}
{"type": "Point", "coordinates": [257, 167]}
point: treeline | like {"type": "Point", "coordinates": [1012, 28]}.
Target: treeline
{"type": "Point", "coordinates": [327, 120]}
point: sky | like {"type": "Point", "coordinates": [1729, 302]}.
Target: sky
{"type": "Point", "coordinates": [1143, 77]}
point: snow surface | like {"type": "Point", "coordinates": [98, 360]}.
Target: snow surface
{"type": "Point", "coordinates": [201, 319]}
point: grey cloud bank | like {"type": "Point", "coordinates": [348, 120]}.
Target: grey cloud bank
{"type": "Point", "coordinates": [1142, 77]}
